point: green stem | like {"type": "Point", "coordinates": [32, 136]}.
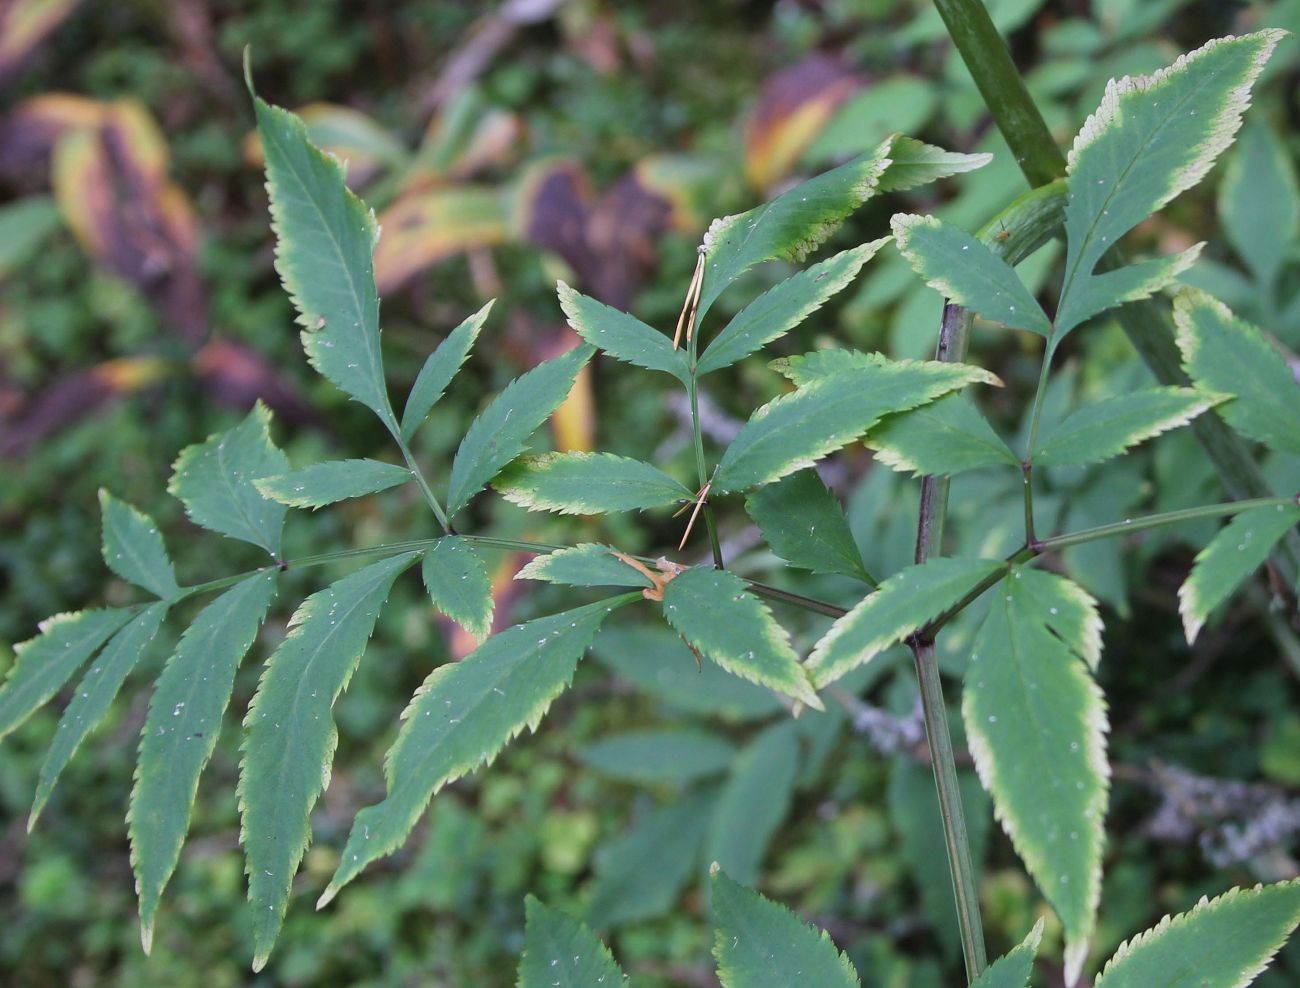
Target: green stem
{"type": "Point", "coordinates": [427, 491]}
{"type": "Point", "coordinates": [988, 58]}
{"type": "Point", "coordinates": [1146, 323]}
{"type": "Point", "coordinates": [1156, 521]}
{"type": "Point", "coordinates": [693, 391]}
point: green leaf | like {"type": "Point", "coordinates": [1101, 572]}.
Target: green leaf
{"type": "Point", "coordinates": [1015, 968]}
{"type": "Point", "coordinates": [560, 952]}
{"type": "Point", "coordinates": [785, 306]}
{"type": "Point", "coordinates": [621, 335]}
{"type": "Point", "coordinates": [761, 944]}
{"type": "Point", "coordinates": [94, 695]}
{"type": "Point", "coordinates": [181, 731]}
{"type": "Point", "coordinates": [334, 480]}
{"type": "Point", "coordinates": [839, 399]}
{"type": "Point", "coordinates": [459, 586]}
{"type": "Point", "coordinates": [498, 435]}
{"type": "Point", "coordinates": [1227, 355]}
{"type": "Point", "coordinates": [657, 661]}
{"type": "Point", "coordinates": [44, 663]}
{"type": "Point", "coordinates": [1152, 138]}
{"type": "Point", "coordinates": [290, 734]}
{"type": "Point", "coordinates": [586, 565]}
{"type": "Point", "coordinates": [901, 605]}
{"type": "Point", "coordinates": [946, 437]}
{"type": "Point", "coordinates": [719, 617]}
{"type": "Point", "coordinates": [1221, 943]}
{"type": "Point", "coordinates": [641, 873]}
{"type": "Point", "coordinates": [963, 269]}
{"type": "Point", "coordinates": [805, 525]}
{"type": "Point", "coordinates": [588, 483]}
{"type": "Point", "coordinates": [792, 225]}
{"type": "Point", "coordinates": [133, 548]}
{"type": "Point", "coordinates": [1238, 550]}
{"type": "Point", "coordinates": [214, 480]}
{"type": "Point", "coordinates": [913, 163]}
{"type": "Point", "coordinates": [462, 716]}
{"type": "Point", "coordinates": [1259, 203]}
{"type": "Point", "coordinates": [1106, 428]}
{"type": "Point", "coordinates": [24, 226]}
{"type": "Point", "coordinates": [674, 756]}
{"type": "Point", "coordinates": [1130, 283]}
{"type": "Point", "coordinates": [1036, 726]}
{"type": "Point", "coordinates": [324, 251]}
{"type": "Point", "coordinates": [1067, 609]}
{"type": "Point", "coordinates": [754, 801]}
{"type": "Point", "coordinates": [439, 370]}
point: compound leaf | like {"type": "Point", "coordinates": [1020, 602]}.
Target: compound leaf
{"type": "Point", "coordinates": [498, 435]}
{"type": "Point", "coordinates": [588, 483]}
{"type": "Point", "coordinates": [805, 525]}
{"type": "Point", "coordinates": [459, 586]}
{"type": "Point", "coordinates": [675, 756]}
{"type": "Point", "coordinates": [95, 693]}
{"type": "Point", "coordinates": [1229, 356]}
{"type": "Point", "coordinates": [181, 731]}
{"type": "Point", "coordinates": [838, 399]}
{"type": "Point", "coordinates": [1223, 943]}
{"type": "Point", "coordinates": [586, 565]}
{"type": "Point", "coordinates": [1259, 203]}
{"type": "Point", "coordinates": [784, 306]}
{"type": "Point", "coordinates": [762, 944]}
{"type": "Point", "coordinates": [640, 873]}
{"type": "Point", "coordinates": [963, 269]}
{"type": "Point", "coordinates": [462, 716]}
{"type": "Point", "coordinates": [324, 251]}
{"type": "Point", "coordinates": [560, 951]}
{"type": "Point", "coordinates": [790, 226]}
{"type": "Point", "coordinates": [290, 734]}
{"type": "Point", "coordinates": [1036, 726]}
{"type": "Point", "coordinates": [1106, 428]}
{"type": "Point", "coordinates": [900, 606]}
{"type": "Point", "coordinates": [948, 436]}
{"type": "Point", "coordinates": [621, 334]}
{"type": "Point", "coordinates": [214, 480]}
{"type": "Point", "coordinates": [754, 800]}
{"type": "Point", "coordinates": [335, 480]}
{"type": "Point", "coordinates": [1238, 550]}
{"type": "Point", "coordinates": [44, 663]}
{"type": "Point", "coordinates": [439, 370]}
{"type": "Point", "coordinates": [133, 548]}
{"type": "Point", "coordinates": [721, 619]}
{"type": "Point", "coordinates": [1152, 138]}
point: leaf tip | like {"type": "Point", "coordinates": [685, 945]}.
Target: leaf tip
{"type": "Point", "coordinates": [248, 70]}
{"type": "Point", "coordinates": [328, 895]}
{"type": "Point", "coordinates": [259, 961]}
{"type": "Point", "coordinates": [146, 936]}
{"type": "Point", "coordinates": [1076, 952]}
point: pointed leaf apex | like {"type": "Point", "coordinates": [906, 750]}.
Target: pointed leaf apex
{"type": "Point", "coordinates": [146, 937]}
{"type": "Point", "coordinates": [327, 896]}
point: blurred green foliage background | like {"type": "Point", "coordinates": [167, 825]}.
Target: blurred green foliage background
{"type": "Point", "coordinates": [504, 146]}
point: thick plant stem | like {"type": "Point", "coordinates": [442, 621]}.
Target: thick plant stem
{"type": "Point", "coordinates": [1017, 232]}
{"type": "Point", "coordinates": [1146, 323]}
{"type": "Point", "coordinates": [955, 837]}
{"type": "Point", "coordinates": [953, 336]}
